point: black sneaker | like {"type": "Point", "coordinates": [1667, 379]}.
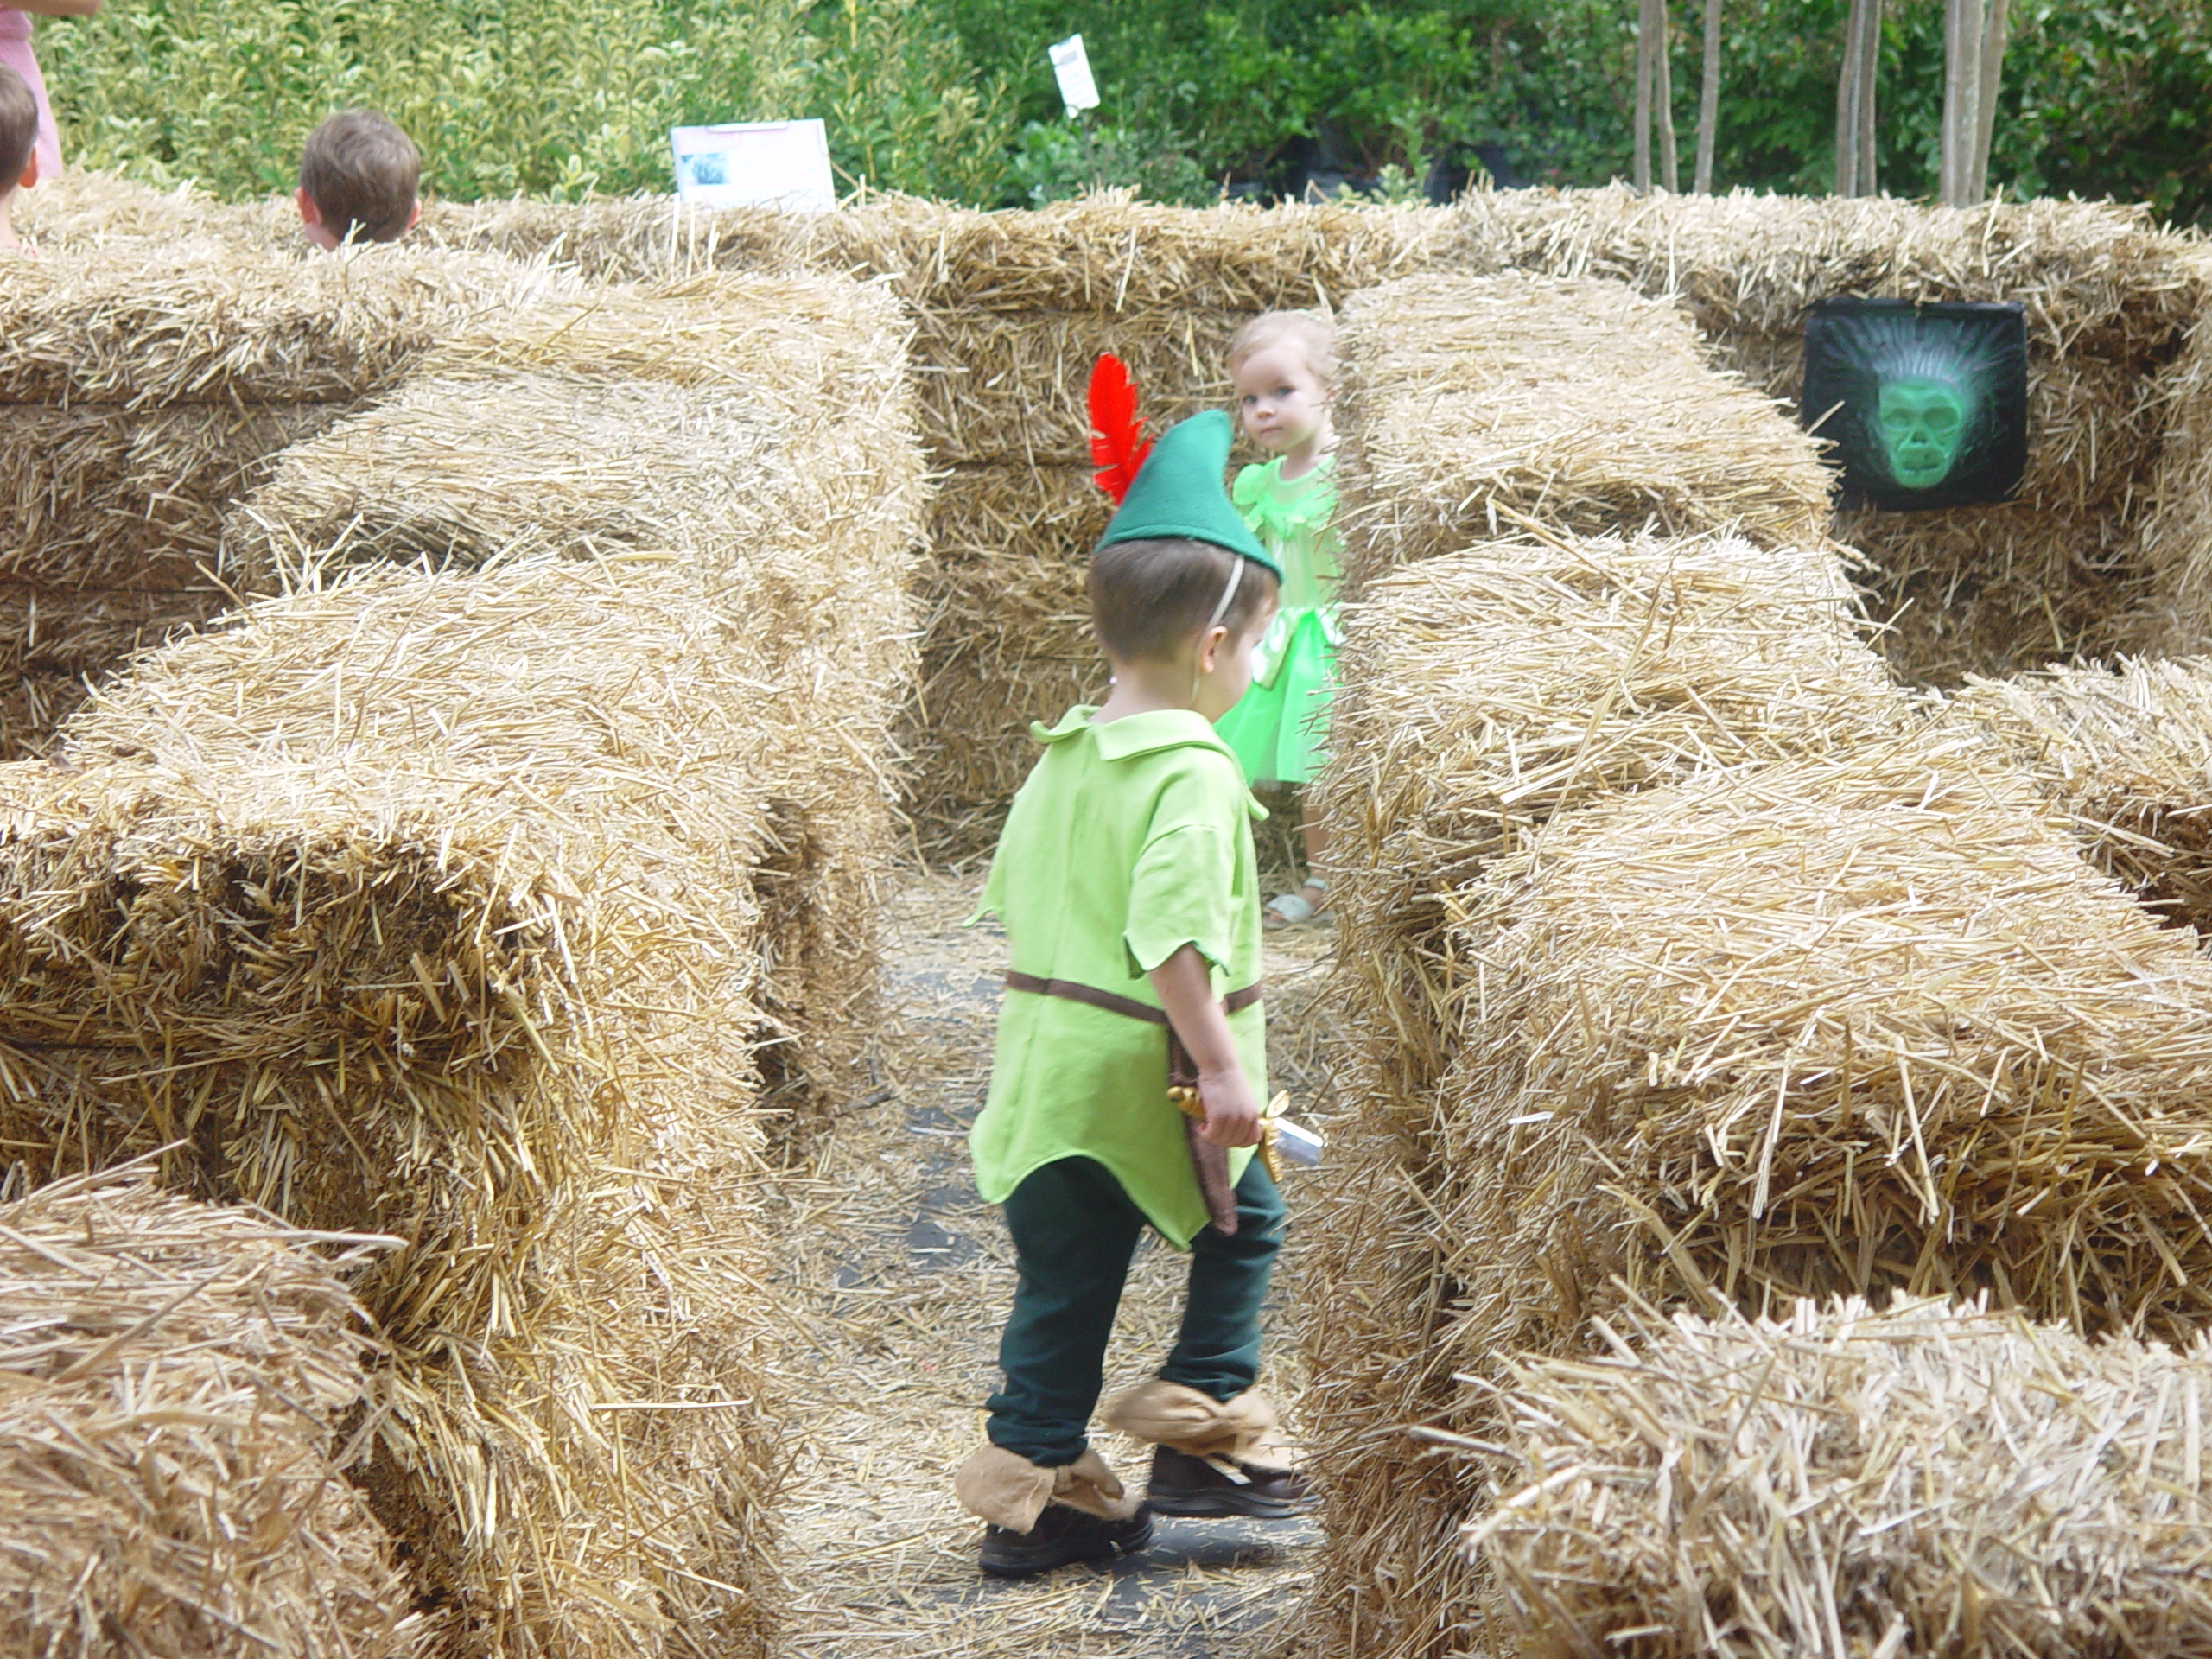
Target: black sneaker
{"type": "Point", "coordinates": [1063, 1534]}
{"type": "Point", "coordinates": [1183, 1484]}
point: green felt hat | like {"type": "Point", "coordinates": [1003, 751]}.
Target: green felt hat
{"type": "Point", "coordinates": [1179, 493]}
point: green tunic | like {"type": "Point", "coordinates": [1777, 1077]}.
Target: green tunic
{"type": "Point", "coordinates": [1128, 842]}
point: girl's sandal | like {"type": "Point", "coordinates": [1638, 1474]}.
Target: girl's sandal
{"type": "Point", "coordinates": [1291, 909]}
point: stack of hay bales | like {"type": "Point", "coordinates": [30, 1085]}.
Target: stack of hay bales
{"type": "Point", "coordinates": [1866, 1022]}
{"type": "Point", "coordinates": [174, 1382]}
{"type": "Point", "coordinates": [1949, 1481]}
{"type": "Point", "coordinates": [1010, 310]}
{"type": "Point", "coordinates": [2063, 568]}
{"type": "Point", "coordinates": [1486, 691]}
{"type": "Point", "coordinates": [1473, 407]}
{"type": "Point", "coordinates": [2125, 751]}
{"type": "Point", "coordinates": [1686, 962]}
{"type": "Point", "coordinates": [77, 210]}
{"type": "Point", "coordinates": [753, 436]}
{"type": "Point", "coordinates": [2102, 529]}
{"type": "Point", "coordinates": [145, 381]}
{"type": "Point", "coordinates": [422, 907]}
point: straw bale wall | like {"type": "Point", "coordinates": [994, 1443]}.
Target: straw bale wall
{"type": "Point", "coordinates": [757, 431]}
{"type": "Point", "coordinates": [1010, 306]}
{"type": "Point", "coordinates": [149, 373]}
{"type": "Point", "coordinates": [1677, 952]}
{"type": "Point", "coordinates": [425, 906]}
{"type": "Point", "coordinates": [1487, 691]}
{"type": "Point", "coordinates": [1951, 1481]}
{"type": "Point", "coordinates": [1472, 406]}
{"type": "Point", "coordinates": [1010, 310]}
{"type": "Point", "coordinates": [2125, 750]}
{"type": "Point", "coordinates": [2067, 568]}
{"type": "Point", "coordinates": [173, 1379]}
{"type": "Point", "coordinates": [1862, 1023]}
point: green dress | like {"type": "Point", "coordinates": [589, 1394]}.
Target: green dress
{"type": "Point", "coordinates": [1128, 842]}
{"type": "Point", "coordinates": [1277, 728]}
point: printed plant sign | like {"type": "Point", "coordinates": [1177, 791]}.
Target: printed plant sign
{"type": "Point", "coordinates": [1926, 405]}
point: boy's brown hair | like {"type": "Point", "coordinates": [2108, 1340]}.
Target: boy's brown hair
{"type": "Point", "coordinates": [1150, 599]}
{"type": "Point", "coordinates": [362, 172]}
{"type": "Point", "coordinates": [18, 127]}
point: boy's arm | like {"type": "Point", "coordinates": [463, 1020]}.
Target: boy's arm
{"type": "Point", "coordinates": [1186, 992]}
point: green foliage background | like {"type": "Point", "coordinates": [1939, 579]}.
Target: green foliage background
{"type": "Point", "coordinates": [954, 98]}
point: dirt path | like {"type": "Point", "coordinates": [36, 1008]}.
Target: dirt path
{"type": "Point", "coordinates": [901, 1276]}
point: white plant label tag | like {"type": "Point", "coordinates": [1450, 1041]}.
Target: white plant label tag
{"type": "Point", "coordinates": [755, 164]}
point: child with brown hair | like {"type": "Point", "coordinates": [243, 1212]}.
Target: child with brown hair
{"type": "Point", "coordinates": [1284, 367]}
{"type": "Point", "coordinates": [358, 174]}
{"type": "Point", "coordinates": [1127, 884]}
{"type": "Point", "coordinates": [18, 148]}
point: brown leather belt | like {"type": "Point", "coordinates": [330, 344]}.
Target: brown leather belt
{"type": "Point", "coordinates": [1074, 991]}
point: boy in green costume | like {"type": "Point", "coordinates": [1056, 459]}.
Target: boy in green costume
{"type": "Point", "coordinates": [1127, 882]}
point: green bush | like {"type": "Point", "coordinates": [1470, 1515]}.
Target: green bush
{"type": "Point", "coordinates": [521, 95]}
{"type": "Point", "coordinates": [1055, 160]}
{"type": "Point", "coordinates": [955, 99]}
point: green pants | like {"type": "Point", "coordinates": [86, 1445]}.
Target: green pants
{"type": "Point", "coordinates": [1074, 1232]}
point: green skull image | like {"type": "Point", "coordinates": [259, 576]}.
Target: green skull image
{"type": "Point", "coordinates": [1921, 420]}
{"type": "Point", "coordinates": [1922, 405]}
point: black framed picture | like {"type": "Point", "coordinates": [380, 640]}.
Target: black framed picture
{"type": "Point", "coordinates": [1925, 405]}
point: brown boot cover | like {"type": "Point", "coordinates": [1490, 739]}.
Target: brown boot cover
{"type": "Point", "coordinates": [1242, 1430]}
{"type": "Point", "coordinates": [1008, 1491]}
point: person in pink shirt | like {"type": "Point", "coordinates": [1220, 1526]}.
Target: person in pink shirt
{"type": "Point", "coordinates": [15, 54]}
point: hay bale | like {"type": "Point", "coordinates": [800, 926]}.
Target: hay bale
{"type": "Point", "coordinates": [156, 322]}
{"type": "Point", "coordinates": [2176, 518]}
{"type": "Point", "coordinates": [422, 907]}
{"type": "Point", "coordinates": [2107, 297]}
{"type": "Point", "coordinates": [1861, 1024]}
{"type": "Point", "coordinates": [1486, 692]}
{"type": "Point", "coordinates": [173, 1380]}
{"type": "Point", "coordinates": [760, 430]}
{"type": "Point", "coordinates": [1102, 253]}
{"type": "Point", "coordinates": [1845, 1019]}
{"type": "Point", "coordinates": [79, 210]}
{"type": "Point", "coordinates": [104, 497]}
{"type": "Point", "coordinates": [1989, 590]}
{"type": "Point", "coordinates": [2097, 277]}
{"type": "Point", "coordinates": [1575, 405]}
{"type": "Point", "coordinates": [1931, 1478]}
{"type": "Point", "coordinates": [1006, 640]}
{"type": "Point", "coordinates": [2125, 750]}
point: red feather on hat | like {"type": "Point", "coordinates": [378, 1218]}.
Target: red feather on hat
{"type": "Point", "coordinates": [1117, 442]}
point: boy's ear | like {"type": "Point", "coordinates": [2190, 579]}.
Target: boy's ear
{"type": "Point", "coordinates": [1209, 645]}
{"type": "Point", "coordinates": [415, 217]}
{"type": "Point", "coordinates": [310, 214]}
{"type": "Point", "coordinates": [30, 172]}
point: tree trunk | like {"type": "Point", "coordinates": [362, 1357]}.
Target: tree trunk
{"type": "Point", "coordinates": [1990, 79]}
{"type": "Point", "coordinates": [1850, 89]}
{"type": "Point", "coordinates": [1708, 98]}
{"type": "Point", "coordinates": [1962, 33]}
{"type": "Point", "coordinates": [1663, 94]}
{"type": "Point", "coordinates": [1869, 128]}
{"type": "Point", "coordinates": [1640, 165]}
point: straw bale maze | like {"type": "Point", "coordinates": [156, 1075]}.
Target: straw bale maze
{"type": "Point", "coordinates": [499, 732]}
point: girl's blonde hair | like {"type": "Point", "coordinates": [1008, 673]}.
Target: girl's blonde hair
{"type": "Point", "coordinates": [1313, 337]}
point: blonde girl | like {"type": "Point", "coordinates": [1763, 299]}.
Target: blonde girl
{"type": "Point", "coordinates": [1283, 365]}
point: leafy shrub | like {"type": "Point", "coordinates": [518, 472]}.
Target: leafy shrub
{"type": "Point", "coordinates": [1055, 160]}
{"type": "Point", "coordinates": [520, 95]}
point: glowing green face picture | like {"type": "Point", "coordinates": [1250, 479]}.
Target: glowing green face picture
{"type": "Point", "coordinates": [1919, 406]}
{"type": "Point", "coordinates": [1921, 422]}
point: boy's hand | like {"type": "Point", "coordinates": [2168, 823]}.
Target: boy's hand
{"type": "Point", "coordinates": [1232, 1111]}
